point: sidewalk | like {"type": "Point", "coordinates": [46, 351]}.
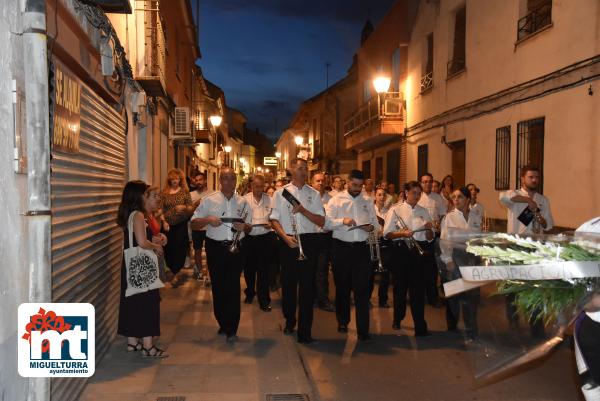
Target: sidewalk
{"type": "Point", "coordinates": [202, 366]}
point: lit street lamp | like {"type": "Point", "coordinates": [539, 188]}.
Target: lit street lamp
{"type": "Point", "coordinates": [278, 155]}
{"type": "Point", "coordinates": [215, 120]}
{"type": "Point", "coordinates": [299, 140]}
{"type": "Point", "coordinates": [227, 149]}
{"type": "Point", "coordinates": [382, 85]}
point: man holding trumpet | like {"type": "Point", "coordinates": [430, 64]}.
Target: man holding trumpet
{"type": "Point", "coordinates": [296, 215]}
{"type": "Point", "coordinates": [409, 223]}
{"type": "Point", "coordinates": [351, 216]}
{"type": "Point", "coordinates": [226, 215]}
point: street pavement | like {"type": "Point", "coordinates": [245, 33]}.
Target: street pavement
{"type": "Point", "coordinates": [395, 366]}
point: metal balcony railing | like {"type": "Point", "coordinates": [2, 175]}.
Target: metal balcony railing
{"type": "Point", "coordinates": [391, 107]}
{"type": "Point", "coordinates": [426, 81]}
{"type": "Point", "coordinates": [537, 18]}
{"type": "Point", "coordinates": [154, 43]}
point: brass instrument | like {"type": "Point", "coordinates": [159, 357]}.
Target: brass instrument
{"type": "Point", "coordinates": [410, 242]}
{"type": "Point", "coordinates": [294, 224]}
{"type": "Point", "coordinates": [375, 251]}
{"type": "Point", "coordinates": [235, 244]}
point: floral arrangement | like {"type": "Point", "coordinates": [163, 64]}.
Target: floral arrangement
{"type": "Point", "coordinates": [550, 300]}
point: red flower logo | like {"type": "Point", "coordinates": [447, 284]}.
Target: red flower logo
{"type": "Point", "coordinates": [44, 321]}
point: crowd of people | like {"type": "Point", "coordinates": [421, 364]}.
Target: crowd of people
{"type": "Point", "coordinates": [292, 234]}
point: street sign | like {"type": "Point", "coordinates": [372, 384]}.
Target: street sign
{"type": "Point", "coordinates": [269, 161]}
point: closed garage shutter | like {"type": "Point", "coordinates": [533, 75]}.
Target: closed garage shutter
{"type": "Point", "coordinates": [86, 242]}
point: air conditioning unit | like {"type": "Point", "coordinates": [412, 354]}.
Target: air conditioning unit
{"type": "Point", "coordinates": [392, 107]}
{"type": "Point", "coordinates": [182, 121]}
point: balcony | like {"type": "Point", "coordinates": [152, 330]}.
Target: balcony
{"type": "Point", "coordinates": [151, 75]}
{"type": "Point", "coordinates": [427, 81]}
{"type": "Point", "coordinates": [538, 18]}
{"type": "Point", "coordinates": [375, 123]}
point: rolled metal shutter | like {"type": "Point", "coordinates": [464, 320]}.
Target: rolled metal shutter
{"type": "Point", "coordinates": [86, 242]}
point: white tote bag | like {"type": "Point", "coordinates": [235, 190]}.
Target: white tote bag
{"type": "Point", "coordinates": [141, 266]}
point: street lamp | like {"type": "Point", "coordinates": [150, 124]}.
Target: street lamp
{"type": "Point", "coordinates": [299, 140]}
{"type": "Point", "coordinates": [227, 149]}
{"type": "Point", "coordinates": [215, 120]}
{"type": "Point", "coordinates": [382, 85]}
{"type": "Point", "coordinates": [278, 155]}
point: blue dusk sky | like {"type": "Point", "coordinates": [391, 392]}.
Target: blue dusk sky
{"type": "Point", "coordinates": [270, 55]}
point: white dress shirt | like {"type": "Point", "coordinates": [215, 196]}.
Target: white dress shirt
{"type": "Point", "coordinates": [216, 204]}
{"type": "Point", "coordinates": [334, 192]}
{"type": "Point", "coordinates": [514, 225]}
{"type": "Point", "coordinates": [455, 221]}
{"type": "Point", "coordinates": [414, 218]}
{"type": "Point", "coordinates": [476, 212]}
{"type": "Point", "coordinates": [434, 203]}
{"type": "Point", "coordinates": [310, 199]}
{"type": "Point", "coordinates": [260, 213]}
{"type": "Point", "coordinates": [359, 208]}
{"type": "Point", "coordinates": [326, 197]}
{"type": "Point", "coordinates": [195, 195]}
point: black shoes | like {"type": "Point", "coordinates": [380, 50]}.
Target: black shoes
{"type": "Point", "coordinates": [248, 300]}
{"type": "Point", "coordinates": [384, 305]}
{"type": "Point", "coordinates": [365, 338]}
{"type": "Point", "coordinates": [266, 308]}
{"type": "Point", "coordinates": [288, 329]}
{"type": "Point", "coordinates": [423, 334]}
{"type": "Point", "coordinates": [396, 326]}
{"type": "Point", "coordinates": [342, 328]}
{"type": "Point", "coordinates": [231, 338]}
{"type": "Point", "coordinates": [306, 340]}
{"type": "Point", "coordinates": [326, 306]}
{"type": "Point", "coordinates": [220, 331]}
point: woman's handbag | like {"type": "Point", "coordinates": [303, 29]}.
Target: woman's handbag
{"type": "Point", "coordinates": [141, 266]}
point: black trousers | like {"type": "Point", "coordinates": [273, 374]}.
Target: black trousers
{"type": "Point", "coordinates": [408, 276]}
{"type": "Point", "coordinates": [298, 284]}
{"type": "Point", "coordinates": [352, 272]}
{"type": "Point", "coordinates": [324, 257]}
{"type": "Point", "coordinates": [465, 303]}
{"type": "Point", "coordinates": [384, 278]}
{"type": "Point", "coordinates": [225, 268]}
{"type": "Point", "coordinates": [258, 251]}
{"type": "Point", "coordinates": [431, 272]}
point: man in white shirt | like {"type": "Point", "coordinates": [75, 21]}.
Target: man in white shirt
{"type": "Point", "coordinates": [516, 202]}
{"type": "Point", "coordinates": [381, 210]}
{"type": "Point", "coordinates": [198, 236]}
{"type": "Point", "coordinates": [351, 216]}
{"type": "Point", "coordinates": [219, 212]}
{"type": "Point", "coordinates": [337, 184]}
{"type": "Point", "coordinates": [408, 272]}
{"type": "Point", "coordinates": [437, 208]}
{"type": "Point", "coordinates": [322, 281]}
{"type": "Point", "coordinates": [259, 246]}
{"type": "Point", "coordinates": [298, 227]}
{"type": "Point", "coordinates": [527, 197]}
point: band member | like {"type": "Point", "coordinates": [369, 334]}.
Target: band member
{"type": "Point", "coordinates": [337, 184]}
{"type": "Point", "coordinates": [516, 202]}
{"type": "Point", "coordinates": [298, 228]}
{"type": "Point", "coordinates": [437, 207]}
{"type": "Point", "coordinates": [460, 219]}
{"type": "Point", "coordinates": [411, 223]}
{"type": "Point", "coordinates": [222, 238]}
{"type": "Point", "coordinates": [385, 249]}
{"type": "Point", "coordinates": [351, 216]}
{"type": "Point", "coordinates": [476, 209]}
{"type": "Point", "coordinates": [200, 192]}
{"type": "Point", "coordinates": [322, 283]}
{"type": "Point", "coordinates": [259, 246]}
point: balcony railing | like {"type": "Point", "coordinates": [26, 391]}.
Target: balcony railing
{"type": "Point", "coordinates": [391, 107]}
{"type": "Point", "coordinates": [538, 18]}
{"type": "Point", "coordinates": [426, 81]}
{"type": "Point", "coordinates": [152, 74]}
{"type": "Point", "coordinates": [456, 66]}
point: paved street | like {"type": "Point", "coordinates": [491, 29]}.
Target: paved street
{"type": "Point", "coordinates": [202, 367]}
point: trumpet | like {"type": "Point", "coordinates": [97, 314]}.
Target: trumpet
{"type": "Point", "coordinates": [235, 244]}
{"type": "Point", "coordinates": [294, 223]}
{"type": "Point", "coordinates": [375, 251]}
{"type": "Point", "coordinates": [410, 242]}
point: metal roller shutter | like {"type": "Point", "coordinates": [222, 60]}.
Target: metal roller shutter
{"type": "Point", "coordinates": [86, 242]}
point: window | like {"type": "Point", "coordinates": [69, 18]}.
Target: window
{"type": "Point", "coordinates": [530, 147]}
{"type": "Point", "coordinates": [538, 15]}
{"type": "Point", "coordinates": [366, 168]}
{"type": "Point", "coordinates": [502, 181]}
{"type": "Point", "coordinates": [458, 62]}
{"type": "Point", "coordinates": [366, 90]}
{"type": "Point", "coordinates": [393, 167]}
{"type": "Point", "coordinates": [378, 170]}
{"type": "Point", "coordinates": [395, 84]}
{"type": "Point", "coordinates": [427, 78]}
{"type": "Point", "coordinates": [422, 160]}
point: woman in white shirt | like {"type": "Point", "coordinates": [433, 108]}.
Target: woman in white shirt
{"type": "Point", "coordinates": [460, 221]}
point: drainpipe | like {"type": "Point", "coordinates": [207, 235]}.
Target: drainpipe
{"type": "Point", "coordinates": [38, 166]}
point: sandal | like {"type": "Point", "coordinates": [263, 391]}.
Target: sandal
{"type": "Point", "coordinates": [134, 347]}
{"type": "Point", "coordinates": [154, 352]}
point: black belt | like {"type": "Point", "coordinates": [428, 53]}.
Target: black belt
{"type": "Point", "coordinates": [220, 243]}
{"type": "Point", "coordinates": [351, 244]}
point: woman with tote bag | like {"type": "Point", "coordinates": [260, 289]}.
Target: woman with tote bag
{"type": "Point", "coordinates": [139, 308]}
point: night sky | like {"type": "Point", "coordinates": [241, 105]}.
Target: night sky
{"type": "Point", "coordinates": [269, 55]}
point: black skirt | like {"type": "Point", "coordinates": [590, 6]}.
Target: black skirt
{"type": "Point", "coordinates": [177, 246]}
{"type": "Point", "coordinates": [139, 314]}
